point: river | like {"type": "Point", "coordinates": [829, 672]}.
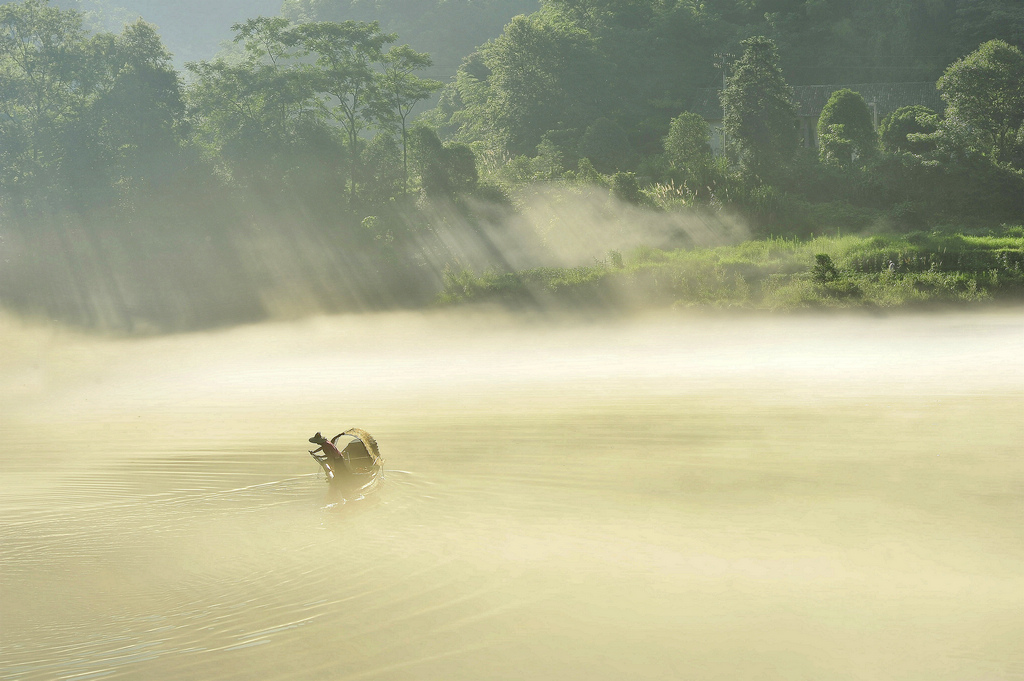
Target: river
{"type": "Point", "coordinates": [654, 497]}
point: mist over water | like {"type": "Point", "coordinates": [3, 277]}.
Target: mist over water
{"type": "Point", "coordinates": [656, 497]}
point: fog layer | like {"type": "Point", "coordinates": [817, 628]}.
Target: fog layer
{"type": "Point", "coordinates": [684, 498]}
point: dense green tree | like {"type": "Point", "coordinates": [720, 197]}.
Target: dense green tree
{"type": "Point", "coordinates": [985, 92]}
{"type": "Point", "coordinates": [687, 145]}
{"type": "Point", "coordinates": [904, 130]}
{"type": "Point", "coordinates": [626, 188]}
{"type": "Point", "coordinates": [620, 68]}
{"type": "Point", "coordinates": [252, 112]}
{"type": "Point", "coordinates": [758, 115]}
{"type": "Point", "coordinates": [532, 59]}
{"type": "Point", "coordinates": [141, 109]}
{"type": "Point", "coordinates": [297, 84]}
{"type": "Point", "coordinates": [445, 170]}
{"type": "Point", "coordinates": [549, 164]}
{"type": "Point", "coordinates": [845, 129]}
{"type": "Point", "coordinates": [48, 78]}
{"type": "Point", "coordinates": [81, 115]}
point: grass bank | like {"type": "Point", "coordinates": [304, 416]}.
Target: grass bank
{"type": "Point", "coordinates": [878, 271]}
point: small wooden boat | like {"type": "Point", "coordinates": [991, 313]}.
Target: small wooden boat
{"type": "Point", "coordinates": [356, 466]}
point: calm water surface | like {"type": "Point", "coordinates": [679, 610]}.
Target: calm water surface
{"type": "Point", "coordinates": [655, 498]}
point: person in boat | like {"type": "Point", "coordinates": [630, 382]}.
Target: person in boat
{"type": "Point", "coordinates": [331, 461]}
{"type": "Point", "coordinates": [361, 457]}
{"type": "Point", "coordinates": [329, 450]}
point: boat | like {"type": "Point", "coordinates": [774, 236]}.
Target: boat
{"type": "Point", "coordinates": [351, 460]}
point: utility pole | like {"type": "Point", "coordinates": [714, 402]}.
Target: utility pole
{"type": "Point", "coordinates": [722, 63]}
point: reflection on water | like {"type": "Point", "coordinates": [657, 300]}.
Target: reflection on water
{"type": "Point", "coordinates": [656, 499]}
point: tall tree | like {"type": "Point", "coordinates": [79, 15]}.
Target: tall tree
{"type": "Point", "coordinates": [759, 119]}
{"type": "Point", "coordinates": [985, 91]}
{"type": "Point", "coordinates": [346, 57]}
{"type": "Point", "coordinates": [404, 89]}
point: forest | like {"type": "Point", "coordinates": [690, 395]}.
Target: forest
{"type": "Point", "coordinates": [356, 155]}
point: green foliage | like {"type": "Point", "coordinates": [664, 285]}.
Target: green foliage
{"type": "Point", "coordinates": [384, 172]}
{"type": "Point", "coordinates": [254, 113]}
{"type": "Point", "coordinates": [623, 69]}
{"type": "Point", "coordinates": [43, 53]}
{"type": "Point", "coordinates": [586, 173]}
{"type": "Point", "coordinates": [907, 129]}
{"type": "Point", "coordinates": [758, 113]}
{"type": "Point", "coordinates": [845, 129]}
{"type": "Point", "coordinates": [574, 287]}
{"type": "Point", "coordinates": [618, 69]}
{"type": "Point", "coordinates": [502, 94]}
{"type": "Point", "coordinates": [980, 20]}
{"type": "Point", "coordinates": [548, 163]}
{"type": "Point", "coordinates": [914, 192]}
{"type": "Point", "coordinates": [606, 144]}
{"type": "Point", "coordinates": [83, 119]}
{"type": "Point", "coordinates": [985, 91]}
{"type": "Point", "coordinates": [836, 146]}
{"type": "Point", "coordinates": [314, 119]}
{"type": "Point", "coordinates": [323, 81]}
{"type": "Point", "coordinates": [345, 56]}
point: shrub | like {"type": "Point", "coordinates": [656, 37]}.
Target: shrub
{"type": "Point", "coordinates": [904, 130]}
{"type": "Point", "coordinates": [824, 269]}
{"type": "Point", "coordinates": [626, 188]}
{"type": "Point", "coordinates": [586, 173]}
{"type": "Point", "coordinates": [687, 144]}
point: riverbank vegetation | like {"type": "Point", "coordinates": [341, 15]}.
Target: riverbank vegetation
{"type": "Point", "coordinates": [775, 273]}
{"type": "Point", "coordinates": [588, 153]}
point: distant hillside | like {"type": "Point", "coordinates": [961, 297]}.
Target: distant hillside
{"type": "Point", "coordinates": [191, 29]}
{"type": "Point", "coordinates": [448, 30]}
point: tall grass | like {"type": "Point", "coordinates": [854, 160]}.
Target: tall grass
{"type": "Point", "coordinates": [773, 274]}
